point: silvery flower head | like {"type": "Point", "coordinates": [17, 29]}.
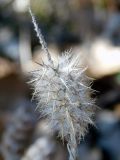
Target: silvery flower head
{"type": "Point", "coordinates": [63, 94]}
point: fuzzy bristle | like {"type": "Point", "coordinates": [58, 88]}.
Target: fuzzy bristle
{"type": "Point", "coordinates": [63, 94]}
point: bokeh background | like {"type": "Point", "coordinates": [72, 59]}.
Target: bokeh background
{"type": "Point", "coordinates": [92, 29]}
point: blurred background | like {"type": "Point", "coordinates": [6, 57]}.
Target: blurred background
{"type": "Point", "coordinates": [92, 29]}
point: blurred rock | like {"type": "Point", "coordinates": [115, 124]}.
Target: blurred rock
{"type": "Point", "coordinates": [109, 133]}
{"type": "Point", "coordinates": [103, 58]}
{"type": "Point", "coordinates": [19, 131]}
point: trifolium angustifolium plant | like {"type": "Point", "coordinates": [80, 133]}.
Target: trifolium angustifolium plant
{"type": "Point", "coordinates": [63, 93]}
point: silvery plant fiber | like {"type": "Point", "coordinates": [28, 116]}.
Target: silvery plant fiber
{"type": "Point", "coordinates": [63, 93]}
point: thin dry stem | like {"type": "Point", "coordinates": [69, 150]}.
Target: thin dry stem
{"type": "Point", "coordinates": [40, 37]}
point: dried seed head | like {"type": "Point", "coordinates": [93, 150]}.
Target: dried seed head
{"type": "Point", "coordinates": [63, 94]}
